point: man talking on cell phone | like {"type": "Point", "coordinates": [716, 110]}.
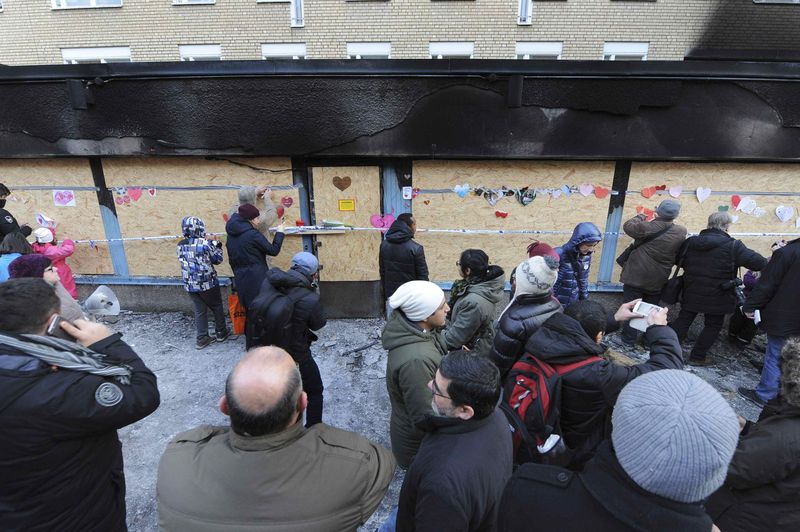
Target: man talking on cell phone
{"type": "Point", "coordinates": [61, 403]}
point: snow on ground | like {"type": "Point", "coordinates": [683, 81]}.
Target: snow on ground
{"type": "Point", "coordinates": [191, 383]}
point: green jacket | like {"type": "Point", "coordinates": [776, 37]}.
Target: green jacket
{"type": "Point", "coordinates": [472, 316]}
{"type": "Point", "coordinates": [300, 480]}
{"type": "Point", "coordinates": [414, 356]}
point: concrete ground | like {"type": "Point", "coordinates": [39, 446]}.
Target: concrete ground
{"type": "Point", "coordinates": [192, 381]}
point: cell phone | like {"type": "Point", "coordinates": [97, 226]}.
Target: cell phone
{"type": "Point", "coordinates": [757, 317]}
{"type": "Point", "coordinates": [643, 309]}
{"type": "Point", "coordinates": [54, 328]}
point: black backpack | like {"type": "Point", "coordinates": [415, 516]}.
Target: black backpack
{"type": "Point", "coordinates": [532, 405]}
{"type": "Point", "coordinates": [269, 317]}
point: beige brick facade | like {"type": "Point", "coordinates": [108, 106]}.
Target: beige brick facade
{"type": "Point", "coordinates": [31, 32]}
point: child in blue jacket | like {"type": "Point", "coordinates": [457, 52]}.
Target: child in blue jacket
{"type": "Point", "coordinates": [197, 256]}
{"type": "Point", "coordinates": [576, 260]}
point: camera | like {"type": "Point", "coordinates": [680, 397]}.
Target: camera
{"type": "Point", "coordinates": [738, 292]}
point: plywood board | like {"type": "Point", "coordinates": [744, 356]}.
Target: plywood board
{"type": "Point", "coordinates": [162, 214]}
{"type": "Point", "coordinates": [352, 256]}
{"type": "Point", "coordinates": [81, 222]}
{"type": "Point", "coordinates": [729, 177]}
{"type": "Point", "coordinates": [448, 211]}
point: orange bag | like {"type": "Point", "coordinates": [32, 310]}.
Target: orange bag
{"type": "Point", "coordinates": [237, 312]}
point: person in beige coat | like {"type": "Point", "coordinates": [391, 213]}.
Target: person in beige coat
{"type": "Point", "coordinates": [266, 471]}
{"type": "Point", "coordinates": [261, 198]}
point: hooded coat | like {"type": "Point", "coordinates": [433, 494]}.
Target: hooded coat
{"type": "Point", "coordinates": [712, 258]}
{"type": "Point", "coordinates": [414, 357]}
{"type": "Point", "coordinates": [588, 394]}
{"type": "Point", "coordinates": [58, 253]}
{"type": "Point", "coordinates": [775, 295]}
{"type": "Point", "coordinates": [573, 270]}
{"type": "Point", "coordinates": [307, 315]}
{"type": "Point", "coordinates": [197, 256]}
{"type": "Point", "coordinates": [473, 314]}
{"type": "Point", "coordinates": [247, 255]}
{"type": "Point", "coordinates": [650, 264]}
{"type": "Point", "coordinates": [400, 259]}
{"type": "Point", "coordinates": [602, 498]}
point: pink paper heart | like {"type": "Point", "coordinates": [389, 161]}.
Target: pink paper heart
{"type": "Point", "coordinates": [675, 191]}
{"type": "Point", "coordinates": [287, 201]}
{"type": "Point", "coordinates": [118, 200]}
{"type": "Point", "coordinates": [135, 193]}
{"type": "Point", "coordinates": [586, 190]}
{"type": "Point", "coordinates": [381, 222]}
{"type": "Point", "coordinates": [152, 192]}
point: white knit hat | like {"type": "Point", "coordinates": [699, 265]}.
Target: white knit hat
{"type": "Point", "coordinates": [536, 276]}
{"type": "Point", "coordinates": [43, 235]}
{"type": "Point", "coordinates": [674, 434]}
{"type": "Point", "coordinates": [417, 299]}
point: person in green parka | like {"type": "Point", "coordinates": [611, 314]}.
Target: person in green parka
{"type": "Point", "coordinates": [416, 346]}
{"type": "Point", "coordinates": [473, 303]}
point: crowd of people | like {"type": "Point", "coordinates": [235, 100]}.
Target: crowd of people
{"type": "Point", "coordinates": [646, 446]}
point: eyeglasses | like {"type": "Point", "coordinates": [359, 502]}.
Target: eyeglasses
{"type": "Point", "coordinates": [435, 389]}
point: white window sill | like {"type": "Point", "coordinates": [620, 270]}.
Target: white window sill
{"type": "Point", "coordinates": [273, 1]}
{"type": "Point", "coordinates": [68, 8]}
{"type": "Point", "coordinates": [196, 3]}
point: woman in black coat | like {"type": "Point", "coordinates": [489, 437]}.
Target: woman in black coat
{"type": "Point", "coordinates": [710, 262]}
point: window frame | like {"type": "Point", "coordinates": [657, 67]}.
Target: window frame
{"type": "Point", "coordinates": [528, 18]}
{"type": "Point", "coordinates": [626, 49]}
{"type": "Point", "coordinates": [453, 53]}
{"type": "Point", "coordinates": [92, 5]}
{"type": "Point", "coordinates": [777, 2]}
{"type": "Point", "coordinates": [195, 51]}
{"type": "Point", "coordinates": [102, 58]}
{"type": "Point", "coordinates": [286, 56]}
{"type": "Point", "coordinates": [296, 21]}
{"type": "Point", "coordinates": [372, 50]}
{"type": "Point", "coordinates": [542, 50]}
{"type": "Point", "coordinates": [193, 2]}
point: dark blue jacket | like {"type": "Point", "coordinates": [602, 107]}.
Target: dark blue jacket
{"type": "Point", "coordinates": [573, 271]}
{"type": "Point", "coordinates": [247, 255]}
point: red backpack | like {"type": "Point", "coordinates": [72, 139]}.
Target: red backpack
{"type": "Point", "coordinates": [532, 404]}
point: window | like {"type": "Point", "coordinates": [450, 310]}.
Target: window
{"type": "Point", "coordinates": [369, 50]}
{"type": "Point", "coordinates": [539, 50]}
{"type": "Point", "coordinates": [296, 8]}
{"type": "Point", "coordinates": [776, 1]}
{"type": "Point", "coordinates": [201, 52]}
{"type": "Point", "coordinates": [625, 51]}
{"type": "Point", "coordinates": [82, 4]}
{"type": "Point", "coordinates": [189, 2]}
{"type": "Point", "coordinates": [525, 14]}
{"type": "Point", "coordinates": [295, 50]}
{"type": "Point", "coordinates": [451, 50]}
{"type": "Point", "coordinates": [83, 56]}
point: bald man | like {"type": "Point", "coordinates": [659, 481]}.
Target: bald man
{"type": "Point", "coordinates": [266, 471]}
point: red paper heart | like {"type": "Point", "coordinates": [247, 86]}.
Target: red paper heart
{"type": "Point", "coordinates": [501, 214]}
{"type": "Point", "coordinates": [126, 199]}
{"type": "Point", "coordinates": [279, 210]}
{"type": "Point", "coordinates": [661, 187]}
{"type": "Point", "coordinates": [225, 217]}
{"type": "Point", "coordinates": [152, 192]}
{"type": "Point", "coordinates": [735, 199]}
{"type": "Point", "coordinates": [414, 193]}
{"type": "Point", "coordinates": [287, 201]}
{"type": "Point", "coordinates": [135, 193]}
{"type": "Point", "coordinates": [648, 192]}
{"type": "Point", "coordinates": [600, 192]}
{"type": "Point", "coordinates": [299, 223]}
{"type": "Point", "coordinates": [639, 209]}
{"type": "Point", "coordinates": [649, 214]}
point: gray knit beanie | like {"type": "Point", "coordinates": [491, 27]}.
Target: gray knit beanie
{"type": "Point", "coordinates": [668, 209]}
{"type": "Point", "coordinates": [674, 434]}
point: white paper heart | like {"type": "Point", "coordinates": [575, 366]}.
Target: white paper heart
{"type": "Point", "coordinates": [703, 194]}
{"type": "Point", "coordinates": [461, 190]}
{"type": "Point", "coordinates": [748, 206]}
{"type": "Point", "coordinates": [556, 193]}
{"type": "Point", "coordinates": [784, 213]}
{"type": "Point", "coordinates": [734, 218]}
{"type": "Point", "coordinates": [586, 190]}
{"type": "Point", "coordinates": [676, 191]}
{"type": "Point", "coordinates": [758, 212]}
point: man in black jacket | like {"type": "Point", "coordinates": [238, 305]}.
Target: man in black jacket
{"type": "Point", "coordinates": [588, 393]}
{"type": "Point", "coordinates": [673, 438]}
{"type": "Point", "coordinates": [8, 224]}
{"type": "Point", "coordinates": [61, 403]}
{"type": "Point", "coordinates": [457, 477]}
{"type": "Point", "coordinates": [401, 259]}
{"type": "Point", "coordinates": [775, 297]}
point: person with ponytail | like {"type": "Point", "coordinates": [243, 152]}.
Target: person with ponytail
{"type": "Point", "coordinates": [473, 302]}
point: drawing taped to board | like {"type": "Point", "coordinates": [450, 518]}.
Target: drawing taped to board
{"type": "Point", "coordinates": [64, 198]}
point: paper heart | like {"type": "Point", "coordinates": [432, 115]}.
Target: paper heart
{"type": "Point", "coordinates": [501, 214]}
{"type": "Point", "coordinates": [427, 202]}
{"type": "Point", "coordinates": [414, 193]}
{"type": "Point", "coordinates": [118, 200]}
{"type": "Point", "coordinates": [702, 194]}
{"type": "Point", "coordinates": [556, 193]}
{"type": "Point", "coordinates": [525, 196]}
{"type": "Point", "coordinates": [600, 192]}
{"type": "Point", "coordinates": [381, 222]}
{"type": "Point", "coordinates": [649, 192]}
{"type": "Point", "coordinates": [279, 211]}
{"type": "Point", "coordinates": [723, 208]}
{"type": "Point", "coordinates": [566, 190]}
{"type": "Point", "coordinates": [126, 199]}
{"type": "Point", "coordinates": [586, 190]}
{"type": "Point", "coordinates": [649, 214]}
{"type": "Point", "coordinates": [747, 205]}
{"type": "Point", "coordinates": [225, 217]}
{"type": "Point", "coordinates": [135, 193]}
{"type": "Point", "coordinates": [639, 209]}
{"type": "Point", "coordinates": [734, 218]}
{"type": "Point", "coordinates": [342, 183]}
{"type": "Point", "coordinates": [461, 190]}
{"type": "Point", "coordinates": [299, 223]}
{"type": "Point", "coordinates": [152, 192]}
{"type": "Point", "coordinates": [121, 191]}
{"type": "Point", "coordinates": [675, 191]}
{"type": "Point", "coordinates": [735, 200]}
{"type": "Point", "coordinates": [758, 212]}
{"type": "Point", "coordinates": [287, 201]}
{"type": "Point", "coordinates": [661, 187]}
{"type": "Point", "coordinates": [784, 213]}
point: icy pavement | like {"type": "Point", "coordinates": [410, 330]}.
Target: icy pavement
{"type": "Point", "coordinates": [352, 363]}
